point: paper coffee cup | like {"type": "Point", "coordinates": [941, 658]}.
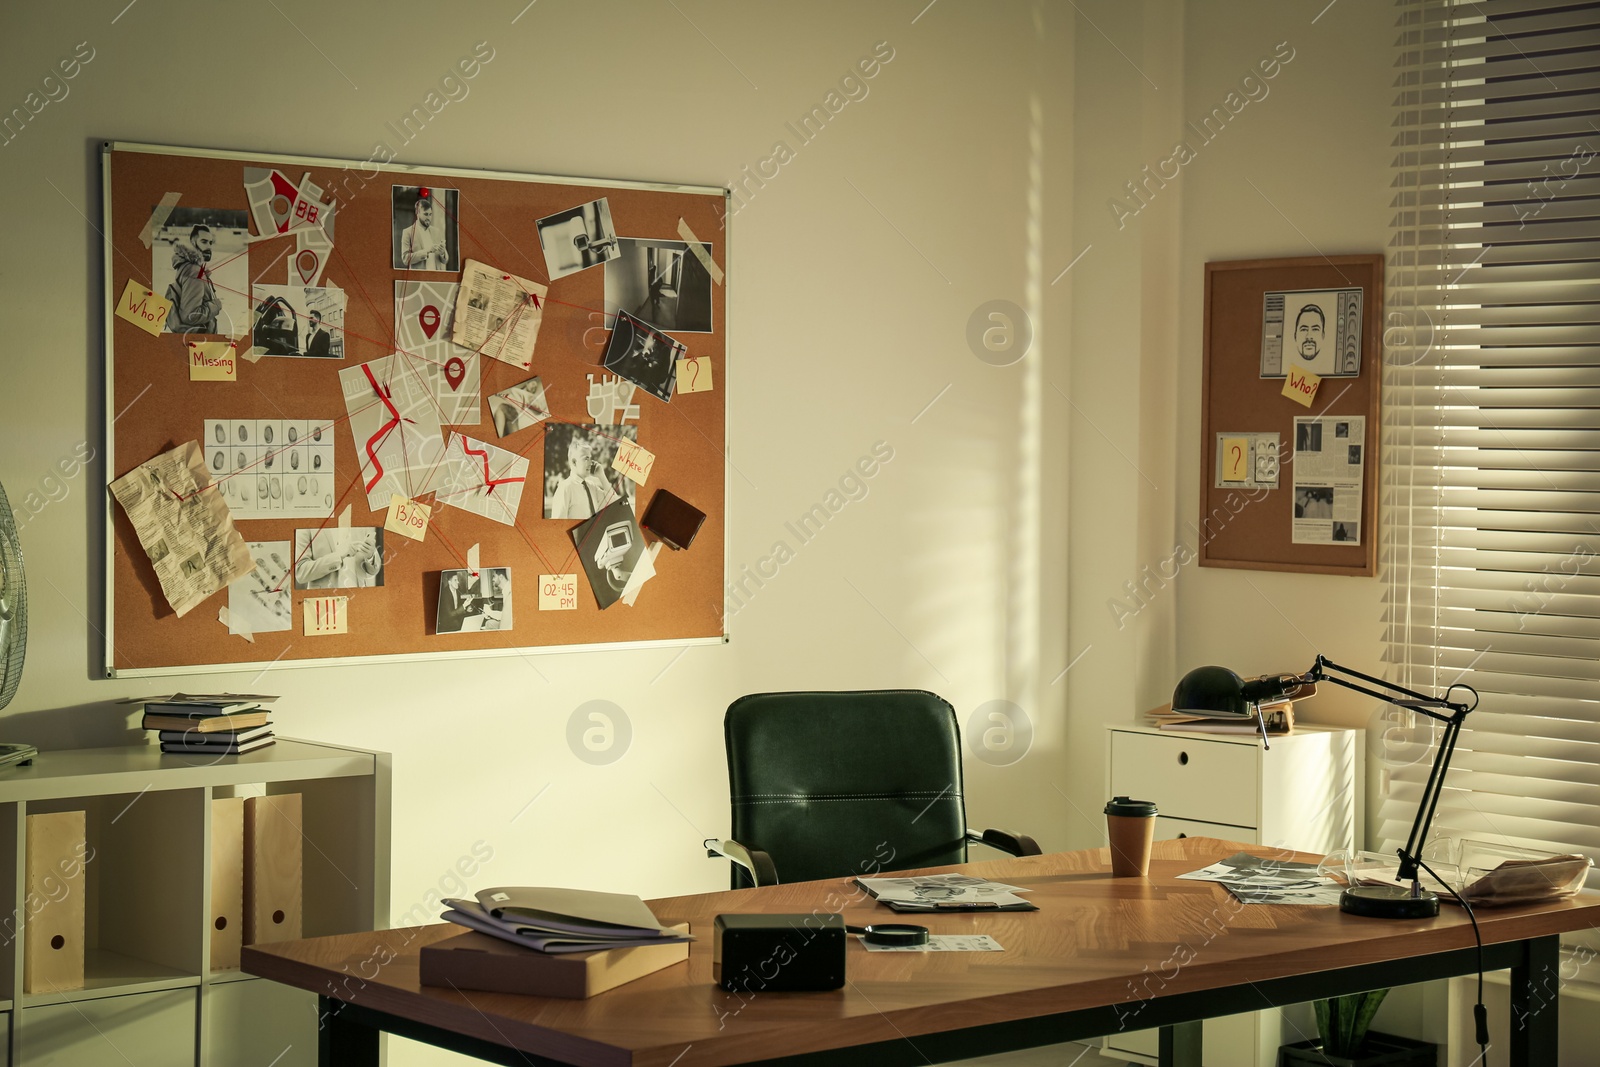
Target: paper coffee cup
{"type": "Point", "coordinates": [1130, 829]}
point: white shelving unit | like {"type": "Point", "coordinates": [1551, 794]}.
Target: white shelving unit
{"type": "Point", "coordinates": [1304, 794]}
{"type": "Point", "coordinates": [149, 996]}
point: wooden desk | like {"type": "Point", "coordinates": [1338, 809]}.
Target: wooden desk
{"type": "Point", "coordinates": [1100, 955]}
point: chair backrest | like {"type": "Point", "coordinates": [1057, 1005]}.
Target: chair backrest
{"type": "Point", "coordinates": [846, 783]}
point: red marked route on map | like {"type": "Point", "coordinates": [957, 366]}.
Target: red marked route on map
{"type": "Point", "coordinates": [399, 441]}
{"type": "Point", "coordinates": [483, 479]}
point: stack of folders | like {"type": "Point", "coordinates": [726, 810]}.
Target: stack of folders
{"type": "Point", "coordinates": [218, 724]}
{"type": "Point", "coordinates": [561, 921]}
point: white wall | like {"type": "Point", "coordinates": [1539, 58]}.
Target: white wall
{"type": "Point", "coordinates": [854, 273]}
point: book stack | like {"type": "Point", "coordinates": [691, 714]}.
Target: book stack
{"type": "Point", "coordinates": [217, 724]}
{"type": "Point", "coordinates": [570, 943]}
{"type": "Point", "coordinates": [1278, 715]}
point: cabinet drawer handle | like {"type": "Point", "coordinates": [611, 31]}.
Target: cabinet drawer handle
{"type": "Point", "coordinates": [1183, 759]}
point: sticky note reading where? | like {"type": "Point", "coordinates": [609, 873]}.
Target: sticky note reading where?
{"type": "Point", "coordinates": [694, 375]}
{"type": "Point", "coordinates": [213, 361]}
{"type": "Point", "coordinates": [1300, 385]}
{"type": "Point", "coordinates": [634, 462]}
{"type": "Point", "coordinates": [558, 592]}
{"type": "Point", "coordinates": [407, 517]}
{"type": "Point", "coordinates": [143, 308]}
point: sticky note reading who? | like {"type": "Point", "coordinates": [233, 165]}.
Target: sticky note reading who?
{"type": "Point", "coordinates": [143, 308]}
{"type": "Point", "coordinates": [1300, 385]}
{"type": "Point", "coordinates": [558, 592]}
{"type": "Point", "coordinates": [407, 517]}
{"type": "Point", "coordinates": [633, 461]}
{"type": "Point", "coordinates": [213, 361]}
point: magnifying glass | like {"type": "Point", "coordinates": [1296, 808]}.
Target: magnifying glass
{"type": "Point", "coordinates": [893, 935]}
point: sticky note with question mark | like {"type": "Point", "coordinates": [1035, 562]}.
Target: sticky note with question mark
{"type": "Point", "coordinates": [1235, 459]}
{"type": "Point", "coordinates": [694, 375]}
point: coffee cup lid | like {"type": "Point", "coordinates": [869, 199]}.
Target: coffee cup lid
{"type": "Point", "coordinates": [1130, 808]}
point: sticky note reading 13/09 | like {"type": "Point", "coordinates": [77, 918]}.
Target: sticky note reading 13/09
{"type": "Point", "coordinates": [407, 517]}
{"type": "Point", "coordinates": [558, 592]}
{"type": "Point", "coordinates": [143, 308]}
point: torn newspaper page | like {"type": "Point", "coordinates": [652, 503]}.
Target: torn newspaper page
{"type": "Point", "coordinates": [1328, 479]}
{"type": "Point", "coordinates": [183, 525]}
{"type": "Point", "coordinates": [498, 314]}
{"type": "Point", "coordinates": [1262, 880]}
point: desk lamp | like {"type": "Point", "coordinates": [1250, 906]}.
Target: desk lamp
{"type": "Point", "coordinates": [1219, 692]}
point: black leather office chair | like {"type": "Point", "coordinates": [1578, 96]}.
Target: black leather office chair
{"type": "Point", "coordinates": [825, 785]}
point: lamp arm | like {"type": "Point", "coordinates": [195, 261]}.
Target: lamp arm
{"type": "Point", "coordinates": [1390, 693]}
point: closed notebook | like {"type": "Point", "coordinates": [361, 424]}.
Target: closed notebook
{"type": "Point", "coordinates": [194, 747]}
{"type": "Point", "coordinates": [573, 911]}
{"type": "Point", "coordinates": [207, 724]}
{"type": "Point", "coordinates": [231, 737]}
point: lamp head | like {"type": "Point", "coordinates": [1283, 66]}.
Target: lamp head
{"type": "Point", "coordinates": [1212, 691]}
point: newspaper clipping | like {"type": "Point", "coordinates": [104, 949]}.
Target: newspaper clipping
{"type": "Point", "coordinates": [185, 528]}
{"type": "Point", "coordinates": [1327, 479]}
{"type": "Point", "coordinates": [498, 314]}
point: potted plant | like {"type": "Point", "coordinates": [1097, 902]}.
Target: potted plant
{"type": "Point", "coordinates": [1344, 1039]}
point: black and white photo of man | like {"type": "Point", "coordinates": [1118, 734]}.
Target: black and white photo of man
{"type": "Point", "coordinates": [424, 228]}
{"type": "Point", "coordinates": [1313, 503]}
{"type": "Point", "coordinates": [198, 265]}
{"type": "Point", "coordinates": [644, 355]}
{"type": "Point", "coordinates": [1310, 328]}
{"type": "Point", "coordinates": [317, 342]}
{"type": "Point", "coordinates": [578, 479]}
{"type": "Point", "coordinates": [338, 558]}
{"type": "Point", "coordinates": [469, 603]}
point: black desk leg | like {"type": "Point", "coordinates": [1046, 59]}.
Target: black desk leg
{"type": "Point", "coordinates": [342, 1042]}
{"type": "Point", "coordinates": [1180, 1045]}
{"type": "Point", "coordinates": [1535, 997]}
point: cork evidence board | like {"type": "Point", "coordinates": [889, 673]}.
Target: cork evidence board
{"type": "Point", "coordinates": [298, 319]}
{"type": "Point", "coordinates": [1290, 414]}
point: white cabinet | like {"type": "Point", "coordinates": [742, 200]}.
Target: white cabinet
{"type": "Point", "coordinates": [149, 995]}
{"type": "Point", "coordinates": [1302, 794]}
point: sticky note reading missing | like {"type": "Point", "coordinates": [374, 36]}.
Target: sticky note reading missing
{"type": "Point", "coordinates": [407, 517]}
{"type": "Point", "coordinates": [143, 308]}
{"type": "Point", "coordinates": [1300, 385]}
{"type": "Point", "coordinates": [558, 592]}
{"type": "Point", "coordinates": [694, 375]}
{"type": "Point", "coordinates": [1235, 459]}
{"type": "Point", "coordinates": [633, 461]}
{"type": "Point", "coordinates": [213, 361]}
{"type": "Point", "coordinates": [326, 615]}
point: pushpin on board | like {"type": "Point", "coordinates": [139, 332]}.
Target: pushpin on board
{"type": "Point", "coordinates": [454, 370]}
{"type": "Point", "coordinates": [694, 375]}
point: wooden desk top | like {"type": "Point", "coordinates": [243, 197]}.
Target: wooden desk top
{"type": "Point", "coordinates": [1096, 940]}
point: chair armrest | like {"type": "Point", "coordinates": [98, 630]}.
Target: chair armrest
{"type": "Point", "coordinates": [1006, 841]}
{"type": "Point", "coordinates": [758, 863]}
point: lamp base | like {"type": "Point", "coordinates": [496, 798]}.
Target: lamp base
{"type": "Point", "coordinates": [1388, 902]}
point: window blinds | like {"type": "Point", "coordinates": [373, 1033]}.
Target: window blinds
{"type": "Point", "coordinates": [1492, 436]}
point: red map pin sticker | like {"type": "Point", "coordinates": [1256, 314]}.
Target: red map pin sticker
{"type": "Point", "coordinates": [429, 318]}
{"type": "Point", "coordinates": [454, 368]}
